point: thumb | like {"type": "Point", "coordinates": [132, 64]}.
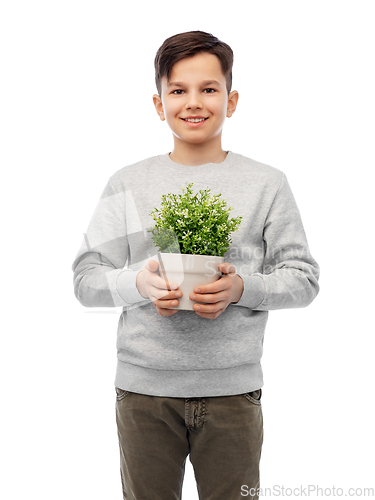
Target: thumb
{"type": "Point", "coordinates": [227, 268]}
{"type": "Point", "coordinates": [152, 266]}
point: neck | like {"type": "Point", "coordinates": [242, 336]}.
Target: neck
{"type": "Point", "coordinates": [193, 155]}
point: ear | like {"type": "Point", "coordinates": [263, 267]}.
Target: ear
{"type": "Point", "coordinates": [232, 102]}
{"type": "Point", "coordinates": [158, 106]}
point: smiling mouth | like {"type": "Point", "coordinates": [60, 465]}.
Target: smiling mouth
{"type": "Point", "coordinates": [194, 120]}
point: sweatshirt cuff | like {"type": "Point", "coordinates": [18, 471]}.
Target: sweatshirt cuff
{"type": "Point", "coordinates": [127, 287]}
{"type": "Point", "coordinates": [253, 292]}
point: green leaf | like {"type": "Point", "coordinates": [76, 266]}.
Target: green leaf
{"type": "Point", "coordinates": [193, 224]}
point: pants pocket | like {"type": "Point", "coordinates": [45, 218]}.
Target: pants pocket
{"type": "Point", "coordinates": [121, 394]}
{"type": "Point", "coordinates": [254, 397]}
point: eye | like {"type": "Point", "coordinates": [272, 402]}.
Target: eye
{"type": "Point", "coordinates": [213, 90]}
{"type": "Point", "coordinates": [177, 90]}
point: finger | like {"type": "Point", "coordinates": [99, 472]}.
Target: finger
{"type": "Point", "coordinates": [227, 268]}
{"type": "Point", "coordinates": [166, 304]}
{"type": "Point", "coordinates": [164, 294]}
{"type": "Point", "coordinates": [155, 280]}
{"type": "Point", "coordinates": [166, 312]}
{"type": "Point", "coordinates": [152, 266]}
{"type": "Point", "coordinates": [212, 315]}
{"type": "Point", "coordinates": [210, 298]}
{"type": "Point", "coordinates": [216, 286]}
{"type": "Point", "coordinates": [161, 284]}
{"type": "Point", "coordinates": [209, 308]}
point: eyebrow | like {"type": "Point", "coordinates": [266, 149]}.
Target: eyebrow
{"type": "Point", "coordinates": [181, 84]}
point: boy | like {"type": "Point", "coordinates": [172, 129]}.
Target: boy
{"type": "Point", "coordinates": [189, 382]}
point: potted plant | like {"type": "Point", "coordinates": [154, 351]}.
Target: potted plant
{"type": "Point", "coordinates": [192, 233]}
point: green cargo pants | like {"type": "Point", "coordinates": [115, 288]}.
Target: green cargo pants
{"type": "Point", "coordinates": [223, 436]}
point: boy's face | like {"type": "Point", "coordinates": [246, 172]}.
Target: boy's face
{"type": "Point", "coordinates": [197, 88]}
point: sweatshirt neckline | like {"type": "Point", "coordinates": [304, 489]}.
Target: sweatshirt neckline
{"type": "Point", "coordinates": [167, 161]}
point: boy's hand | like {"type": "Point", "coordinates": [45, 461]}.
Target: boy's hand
{"type": "Point", "coordinates": [151, 285]}
{"type": "Point", "coordinates": [218, 295]}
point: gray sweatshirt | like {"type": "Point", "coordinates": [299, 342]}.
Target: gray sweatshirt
{"type": "Point", "coordinates": [185, 355]}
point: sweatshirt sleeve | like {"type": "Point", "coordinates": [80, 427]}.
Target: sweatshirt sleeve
{"type": "Point", "coordinates": [101, 278]}
{"type": "Point", "coordinates": [290, 274]}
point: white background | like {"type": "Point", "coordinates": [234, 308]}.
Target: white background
{"type": "Point", "coordinates": [76, 105]}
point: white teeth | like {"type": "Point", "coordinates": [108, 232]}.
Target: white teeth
{"type": "Point", "coordinates": [195, 120]}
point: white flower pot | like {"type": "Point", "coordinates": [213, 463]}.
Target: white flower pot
{"type": "Point", "coordinates": [189, 271]}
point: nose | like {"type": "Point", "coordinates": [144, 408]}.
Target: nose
{"type": "Point", "coordinates": [194, 101]}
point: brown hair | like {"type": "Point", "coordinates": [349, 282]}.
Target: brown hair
{"type": "Point", "coordinates": [188, 44]}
